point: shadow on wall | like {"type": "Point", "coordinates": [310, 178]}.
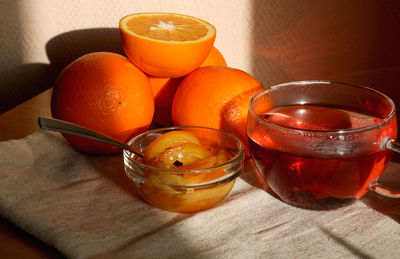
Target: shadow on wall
{"type": "Point", "coordinates": [24, 81]}
{"type": "Point", "coordinates": [11, 43]}
{"type": "Point", "coordinates": [65, 48]}
{"type": "Point", "coordinates": [351, 41]}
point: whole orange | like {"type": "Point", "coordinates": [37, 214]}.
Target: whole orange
{"type": "Point", "coordinates": [105, 92]}
{"type": "Point", "coordinates": [215, 58]}
{"type": "Point", "coordinates": [216, 97]}
{"type": "Point", "coordinates": [164, 89]}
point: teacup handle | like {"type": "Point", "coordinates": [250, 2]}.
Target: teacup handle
{"type": "Point", "coordinates": [391, 144]}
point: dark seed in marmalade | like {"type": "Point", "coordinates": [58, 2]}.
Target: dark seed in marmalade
{"type": "Point", "coordinates": [178, 163]}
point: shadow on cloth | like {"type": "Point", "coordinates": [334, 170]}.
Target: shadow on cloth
{"type": "Point", "coordinates": [387, 206]}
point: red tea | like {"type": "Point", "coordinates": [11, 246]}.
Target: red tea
{"type": "Point", "coordinates": [312, 171]}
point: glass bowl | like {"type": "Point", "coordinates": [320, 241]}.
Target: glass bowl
{"type": "Point", "coordinates": [185, 190]}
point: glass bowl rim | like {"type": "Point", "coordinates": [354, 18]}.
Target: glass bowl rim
{"type": "Point", "coordinates": [373, 126]}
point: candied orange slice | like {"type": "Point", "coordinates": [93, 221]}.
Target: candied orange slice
{"type": "Point", "coordinates": [166, 141]}
{"type": "Point", "coordinates": [198, 177]}
{"type": "Point", "coordinates": [223, 156]}
{"type": "Point", "coordinates": [200, 164]}
{"type": "Point", "coordinates": [181, 155]}
{"type": "Point", "coordinates": [161, 181]}
{"type": "Point", "coordinates": [163, 178]}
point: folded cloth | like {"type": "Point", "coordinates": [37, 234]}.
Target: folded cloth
{"type": "Point", "coordinates": [84, 206]}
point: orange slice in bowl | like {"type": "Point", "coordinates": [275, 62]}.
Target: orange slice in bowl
{"type": "Point", "coordinates": [223, 156]}
{"type": "Point", "coordinates": [166, 141]}
{"type": "Point", "coordinates": [187, 156]}
{"type": "Point", "coordinates": [182, 155]}
{"type": "Point", "coordinates": [166, 44]}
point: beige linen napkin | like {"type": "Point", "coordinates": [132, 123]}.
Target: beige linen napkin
{"type": "Point", "coordinates": [83, 205]}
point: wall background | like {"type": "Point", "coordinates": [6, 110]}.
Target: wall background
{"type": "Point", "coordinates": [274, 40]}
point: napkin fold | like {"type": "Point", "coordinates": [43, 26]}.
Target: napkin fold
{"type": "Point", "coordinates": [84, 206]}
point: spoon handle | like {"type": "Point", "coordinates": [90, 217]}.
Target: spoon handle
{"type": "Point", "coordinates": [71, 128]}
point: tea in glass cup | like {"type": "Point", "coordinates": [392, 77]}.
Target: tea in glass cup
{"type": "Point", "coordinates": [319, 144]}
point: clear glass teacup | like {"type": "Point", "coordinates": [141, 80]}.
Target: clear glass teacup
{"type": "Point", "coordinates": [322, 145]}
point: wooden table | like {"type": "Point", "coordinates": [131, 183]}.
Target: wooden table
{"type": "Point", "coordinates": [14, 124]}
{"type": "Point", "coordinates": [22, 121]}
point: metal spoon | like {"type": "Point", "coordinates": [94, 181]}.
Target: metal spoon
{"type": "Point", "coordinates": [74, 129]}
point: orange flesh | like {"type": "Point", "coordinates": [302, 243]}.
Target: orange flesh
{"type": "Point", "coordinates": [167, 28]}
{"type": "Point", "coordinates": [183, 154]}
{"type": "Point", "coordinates": [166, 141]}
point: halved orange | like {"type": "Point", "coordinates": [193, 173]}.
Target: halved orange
{"type": "Point", "coordinates": [166, 44]}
